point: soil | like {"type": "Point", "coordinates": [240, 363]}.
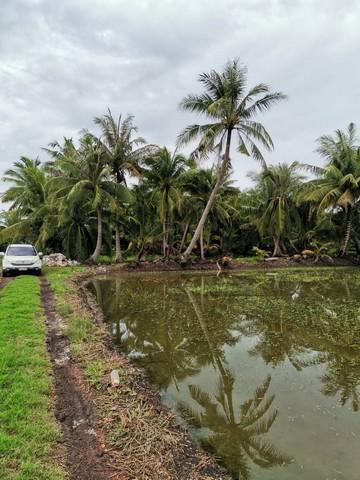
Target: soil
{"type": "Point", "coordinates": [4, 281]}
{"type": "Point", "coordinates": [85, 455]}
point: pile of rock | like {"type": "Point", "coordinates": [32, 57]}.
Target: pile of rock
{"type": "Point", "coordinates": [58, 260]}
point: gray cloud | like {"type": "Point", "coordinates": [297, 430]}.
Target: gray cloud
{"type": "Point", "coordinates": [62, 64]}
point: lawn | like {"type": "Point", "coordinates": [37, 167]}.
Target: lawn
{"type": "Point", "coordinates": [28, 433]}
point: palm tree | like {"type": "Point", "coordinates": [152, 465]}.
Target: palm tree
{"type": "Point", "coordinates": [337, 185]}
{"type": "Point", "coordinates": [230, 110]}
{"type": "Point", "coordinates": [124, 155]}
{"type": "Point", "coordinates": [83, 178]}
{"type": "Point", "coordinates": [76, 227]}
{"type": "Point", "coordinates": [199, 184]}
{"type": "Point", "coordinates": [140, 224]}
{"type": "Point", "coordinates": [163, 175]}
{"type": "Point", "coordinates": [28, 189]}
{"type": "Point", "coordinates": [29, 197]}
{"type": "Point", "coordinates": [273, 205]}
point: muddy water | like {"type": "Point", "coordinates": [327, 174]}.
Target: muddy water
{"type": "Point", "coordinates": [264, 367]}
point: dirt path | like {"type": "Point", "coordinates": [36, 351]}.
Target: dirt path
{"type": "Point", "coordinates": [4, 281]}
{"type": "Point", "coordinates": [85, 456]}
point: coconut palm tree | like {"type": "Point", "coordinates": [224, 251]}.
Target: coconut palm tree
{"type": "Point", "coordinates": [163, 176]}
{"type": "Point", "coordinates": [28, 185]}
{"type": "Point", "coordinates": [337, 186]}
{"type": "Point", "coordinates": [29, 197]}
{"type": "Point", "coordinates": [273, 206]}
{"type": "Point", "coordinates": [230, 110]}
{"type": "Point", "coordinates": [81, 177]}
{"type": "Point", "coordinates": [199, 184]}
{"type": "Point", "coordinates": [140, 225]}
{"type": "Point", "coordinates": [124, 155]}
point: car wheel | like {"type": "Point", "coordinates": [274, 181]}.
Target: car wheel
{"type": "Point", "coordinates": [4, 274]}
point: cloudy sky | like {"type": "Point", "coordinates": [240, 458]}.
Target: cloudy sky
{"type": "Point", "coordinates": [62, 63]}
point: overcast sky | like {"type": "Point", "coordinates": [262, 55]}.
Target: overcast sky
{"type": "Point", "coordinates": [62, 63]}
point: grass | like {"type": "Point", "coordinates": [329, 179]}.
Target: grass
{"type": "Point", "coordinates": [79, 327]}
{"type": "Point", "coordinates": [253, 260]}
{"type": "Point", "coordinates": [28, 433]}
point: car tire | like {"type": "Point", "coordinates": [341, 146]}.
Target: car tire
{"type": "Point", "coordinates": [4, 274]}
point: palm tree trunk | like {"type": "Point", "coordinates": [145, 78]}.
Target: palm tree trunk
{"type": "Point", "coordinates": [118, 253]}
{"type": "Point", "coordinates": [277, 250]}
{"type": "Point", "coordinates": [211, 201]}
{"type": "Point", "coordinates": [346, 238]}
{"type": "Point", "coordinates": [202, 255]}
{"type": "Point", "coordinates": [184, 237]}
{"type": "Point", "coordinates": [165, 235]}
{"type": "Point", "coordinates": [95, 256]}
{"type": "Point", "coordinates": [357, 244]}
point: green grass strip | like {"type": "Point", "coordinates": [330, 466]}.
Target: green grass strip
{"type": "Point", "coordinates": [28, 432]}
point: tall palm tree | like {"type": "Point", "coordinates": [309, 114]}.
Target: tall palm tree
{"type": "Point", "coordinates": [230, 110]}
{"type": "Point", "coordinates": [273, 205]}
{"type": "Point", "coordinates": [163, 175]}
{"type": "Point", "coordinates": [337, 185]}
{"type": "Point", "coordinates": [124, 155]}
{"type": "Point", "coordinates": [82, 177]}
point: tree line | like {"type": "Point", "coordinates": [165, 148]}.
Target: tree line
{"type": "Point", "coordinates": [81, 202]}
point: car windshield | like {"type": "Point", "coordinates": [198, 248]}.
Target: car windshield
{"type": "Point", "coordinates": [21, 251]}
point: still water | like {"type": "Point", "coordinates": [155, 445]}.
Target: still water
{"type": "Point", "coordinates": [264, 367]}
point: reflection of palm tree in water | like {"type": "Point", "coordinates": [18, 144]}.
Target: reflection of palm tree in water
{"type": "Point", "coordinates": [235, 435]}
{"type": "Point", "coordinates": [342, 377]}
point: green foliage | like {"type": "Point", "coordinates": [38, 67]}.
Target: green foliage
{"type": "Point", "coordinates": [259, 253]}
{"type": "Point", "coordinates": [81, 203]}
{"type": "Point", "coordinates": [94, 371]}
{"type": "Point", "coordinates": [79, 327]}
{"type": "Point", "coordinates": [272, 204]}
{"type": "Point", "coordinates": [337, 186]}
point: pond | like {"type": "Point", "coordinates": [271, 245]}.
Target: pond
{"type": "Point", "coordinates": [263, 366]}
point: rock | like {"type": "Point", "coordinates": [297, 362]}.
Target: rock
{"type": "Point", "coordinates": [115, 378]}
{"type": "Point", "coordinates": [272, 259]}
{"type": "Point", "coordinates": [58, 260]}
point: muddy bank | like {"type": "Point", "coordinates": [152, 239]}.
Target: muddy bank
{"type": "Point", "coordinates": [74, 405]}
{"type": "Point", "coordinates": [137, 437]}
{"type": "Point", "coordinates": [215, 265]}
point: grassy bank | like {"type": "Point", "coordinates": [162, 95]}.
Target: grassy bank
{"type": "Point", "coordinates": [28, 433]}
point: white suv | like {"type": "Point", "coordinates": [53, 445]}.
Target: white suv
{"type": "Point", "coordinates": [21, 258]}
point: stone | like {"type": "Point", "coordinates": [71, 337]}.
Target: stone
{"type": "Point", "coordinates": [58, 260]}
{"type": "Point", "coordinates": [115, 378]}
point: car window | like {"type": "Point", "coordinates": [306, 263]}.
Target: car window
{"type": "Point", "coordinates": [21, 251]}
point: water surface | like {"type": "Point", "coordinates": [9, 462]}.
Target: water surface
{"type": "Point", "coordinates": [264, 367]}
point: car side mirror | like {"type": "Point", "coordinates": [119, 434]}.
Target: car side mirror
{"type": "Point", "coordinates": [40, 254]}
{"type": "Point", "coordinates": [2, 254]}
